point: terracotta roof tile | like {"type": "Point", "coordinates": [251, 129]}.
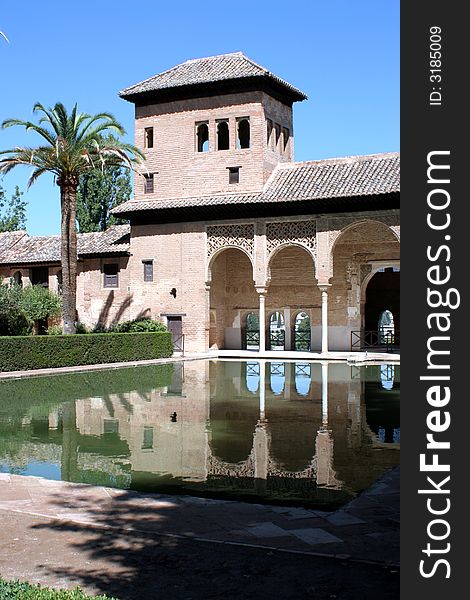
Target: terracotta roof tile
{"type": "Point", "coordinates": [351, 176]}
{"type": "Point", "coordinates": [40, 249]}
{"type": "Point", "coordinates": [207, 70]}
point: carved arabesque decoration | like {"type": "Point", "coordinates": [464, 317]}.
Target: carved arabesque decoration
{"type": "Point", "coordinates": [298, 232]}
{"type": "Point", "coordinates": [239, 235]}
{"type": "Point", "coordinates": [365, 270]}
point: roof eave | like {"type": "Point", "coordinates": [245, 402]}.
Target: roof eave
{"type": "Point", "coordinates": [266, 207]}
{"type": "Point", "coordinates": [279, 90]}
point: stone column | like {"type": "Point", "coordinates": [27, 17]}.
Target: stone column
{"type": "Point", "coordinates": [262, 390]}
{"type": "Point", "coordinates": [324, 316]}
{"type": "Point", "coordinates": [287, 330]}
{"type": "Point", "coordinates": [324, 394]}
{"type": "Point", "coordinates": [207, 327]}
{"type": "Point", "coordinates": [262, 318]}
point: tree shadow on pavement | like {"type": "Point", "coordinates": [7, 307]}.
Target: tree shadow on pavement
{"type": "Point", "coordinates": [119, 549]}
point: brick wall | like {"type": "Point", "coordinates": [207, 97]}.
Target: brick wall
{"type": "Point", "coordinates": [180, 170]}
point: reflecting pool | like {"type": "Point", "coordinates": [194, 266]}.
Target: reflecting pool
{"type": "Point", "coordinates": [282, 432]}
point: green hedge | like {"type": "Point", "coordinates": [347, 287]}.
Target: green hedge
{"type": "Point", "coordinates": [18, 590]}
{"type": "Point", "coordinates": [43, 351]}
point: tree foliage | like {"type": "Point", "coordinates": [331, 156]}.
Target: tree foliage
{"type": "Point", "coordinates": [13, 211]}
{"type": "Point", "coordinates": [98, 192]}
{"type": "Point", "coordinates": [21, 307]}
{"type": "Point", "coordinates": [72, 144]}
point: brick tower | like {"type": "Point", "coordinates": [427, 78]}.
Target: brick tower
{"type": "Point", "coordinates": [210, 126]}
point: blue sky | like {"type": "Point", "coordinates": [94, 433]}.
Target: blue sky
{"type": "Point", "coordinates": [343, 54]}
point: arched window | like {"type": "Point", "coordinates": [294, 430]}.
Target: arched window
{"type": "Point", "coordinates": [302, 332]}
{"type": "Point", "coordinates": [269, 133]}
{"type": "Point", "coordinates": [18, 278]}
{"type": "Point", "coordinates": [277, 331]}
{"type": "Point", "coordinates": [223, 138]}
{"type": "Point", "coordinates": [277, 376]}
{"type": "Point", "coordinates": [252, 331]}
{"type": "Point", "coordinates": [303, 378]}
{"type": "Point", "coordinates": [387, 376]}
{"type": "Point", "coordinates": [252, 376]}
{"type": "Point", "coordinates": [277, 130]}
{"type": "Point", "coordinates": [243, 130]}
{"type": "Point", "coordinates": [202, 135]}
{"type": "Point", "coordinates": [386, 328]}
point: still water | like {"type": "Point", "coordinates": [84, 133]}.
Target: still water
{"type": "Point", "coordinates": [282, 432]}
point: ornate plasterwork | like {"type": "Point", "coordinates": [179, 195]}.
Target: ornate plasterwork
{"type": "Point", "coordinates": [365, 270]}
{"type": "Point", "coordinates": [293, 232]}
{"type": "Point", "coordinates": [239, 235]}
{"type": "Point", "coordinates": [338, 225]}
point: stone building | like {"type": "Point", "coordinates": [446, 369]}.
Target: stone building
{"type": "Point", "coordinates": [228, 232]}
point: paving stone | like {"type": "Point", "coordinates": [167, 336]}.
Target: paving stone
{"type": "Point", "coordinates": [299, 513]}
{"type": "Point", "coordinates": [267, 530]}
{"type": "Point", "coordinates": [343, 518]}
{"type": "Point", "coordinates": [315, 535]}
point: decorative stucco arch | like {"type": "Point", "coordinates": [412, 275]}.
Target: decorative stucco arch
{"type": "Point", "coordinates": [218, 252]}
{"type": "Point", "coordinates": [387, 223]}
{"type": "Point", "coordinates": [285, 246]}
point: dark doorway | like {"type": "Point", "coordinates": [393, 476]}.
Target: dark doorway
{"type": "Point", "coordinates": [40, 276]}
{"type": "Point", "coordinates": [175, 326]}
{"type": "Point", "coordinates": [383, 296]}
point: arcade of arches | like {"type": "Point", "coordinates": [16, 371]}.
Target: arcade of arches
{"type": "Point", "coordinates": [305, 285]}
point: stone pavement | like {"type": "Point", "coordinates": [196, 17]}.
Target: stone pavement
{"type": "Point", "coordinates": [366, 529]}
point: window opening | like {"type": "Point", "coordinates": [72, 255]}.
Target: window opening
{"type": "Point", "coordinates": [149, 137]}
{"type": "Point", "coordinates": [243, 130]}
{"type": "Point", "coordinates": [223, 138]}
{"type": "Point", "coordinates": [202, 135]}
{"type": "Point", "coordinates": [148, 270]}
{"type": "Point", "coordinates": [233, 175]}
{"type": "Point", "coordinates": [149, 187]}
{"type": "Point", "coordinates": [111, 275]}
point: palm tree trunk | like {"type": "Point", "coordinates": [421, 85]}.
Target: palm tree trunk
{"type": "Point", "coordinates": [68, 251]}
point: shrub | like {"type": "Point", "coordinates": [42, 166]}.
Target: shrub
{"type": "Point", "coordinates": [19, 590]}
{"type": "Point", "coordinates": [54, 330]}
{"type": "Point", "coordinates": [41, 352]}
{"type": "Point", "coordinates": [37, 302]}
{"type": "Point", "coordinates": [81, 328]}
{"type": "Point", "coordinates": [13, 321]}
{"type": "Point", "coordinates": [138, 325]}
{"type": "Point", "coordinates": [21, 307]}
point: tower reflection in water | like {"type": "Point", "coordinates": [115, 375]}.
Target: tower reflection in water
{"type": "Point", "coordinates": [282, 431]}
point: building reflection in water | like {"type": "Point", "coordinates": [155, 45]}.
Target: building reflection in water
{"type": "Point", "coordinates": [283, 430]}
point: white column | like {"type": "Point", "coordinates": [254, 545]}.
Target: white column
{"type": "Point", "coordinates": [287, 330]}
{"type": "Point", "coordinates": [262, 389]}
{"type": "Point", "coordinates": [262, 322]}
{"type": "Point", "coordinates": [324, 394]}
{"type": "Point", "coordinates": [324, 317]}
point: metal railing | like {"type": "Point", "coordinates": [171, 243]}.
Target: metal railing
{"type": "Point", "coordinates": [251, 339]}
{"type": "Point", "coordinates": [302, 340]}
{"type": "Point", "coordinates": [277, 339]}
{"type": "Point", "coordinates": [379, 338]}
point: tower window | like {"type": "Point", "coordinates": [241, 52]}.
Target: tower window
{"type": "Point", "coordinates": [148, 270]}
{"type": "Point", "coordinates": [285, 139]}
{"type": "Point", "coordinates": [148, 185]}
{"type": "Point", "coordinates": [243, 131]}
{"type": "Point", "coordinates": [269, 133]}
{"type": "Point", "coordinates": [148, 137]}
{"type": "Point", "coordinates": [233, 174]}
{"type": "Point", "coordinates": [202, 137]}
{"type": "Point", "coordinates": [223, 139]}
{"type": "Point", "coordinates": [277, 129]}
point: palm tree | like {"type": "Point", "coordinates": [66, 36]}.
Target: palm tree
{"type": "Point", "coordinates": [75, 144]}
